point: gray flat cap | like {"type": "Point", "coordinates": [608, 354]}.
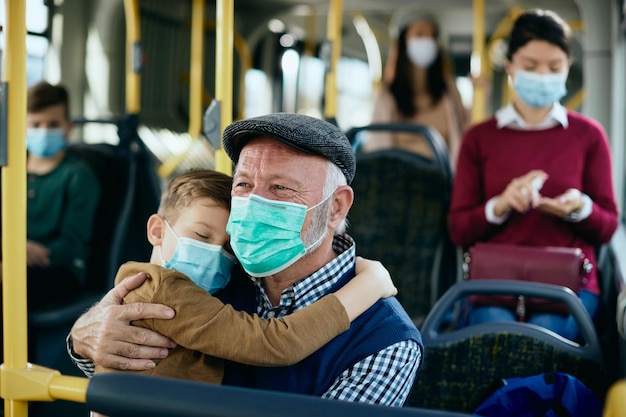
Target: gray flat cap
{"type": "Point", "coordinates": [305, 133]}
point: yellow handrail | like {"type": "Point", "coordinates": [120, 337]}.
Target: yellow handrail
{"type": "Point", "coordinates": [478, 60]}
{"type": "Point", "coordinates": [224, 74]}
{"type": "Point", "coordinates": [335, 17]}
{"type": "Point", "coordinates": [502, 31]}
{"type": "Point", "coordinates": [245, 56]}
{"type": "Point", "coordinates": [14, 207]}
{"type": "Point", "coordinates": [615, 403]}
{"type": "Point", "coordinates": [196, 71]}
{"type": "Point", "coordinates": [196, 68]}
{"type": "Point", "coordinates": [133, 57]}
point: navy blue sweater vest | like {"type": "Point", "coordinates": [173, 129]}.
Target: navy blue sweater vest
{"type": "Point", "coordinates": [382, 325]}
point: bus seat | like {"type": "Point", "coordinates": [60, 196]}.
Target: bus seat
{"type": "Point", "coordinates": [127, 198]}
{"type": "Point", "coordinates": [126, 394]}
{"type": "Point", "coordinates": [112, 170]}
{"type": "Point", "coordinates": [464, 366]}
{"type": "Point", "coordinates": [611, 318]}
{"type": "Point", "coordinates": [399, 217]}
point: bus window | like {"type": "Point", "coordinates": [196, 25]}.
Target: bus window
{"type": "Point", "coordinates": [258, 93]}
{"type": "Point", "coordinates": [290, 63]}
{"type": "Point", "coordinates": [36, 41]}
{"type": "Point", "coordinates": [355, 99]}
{"type": "Point", "coordinates": [311, 86]}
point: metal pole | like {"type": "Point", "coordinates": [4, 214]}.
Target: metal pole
{"type": "Point", "coordinates": [335, 17]}
{"type": "Point", "coordinates": [196, 68]}
{"type": "Point", "coordinates": [478, 60]}
{"type": "Point", "coordinates": [14, 203]}
{"type": "Point", "coordinates": [133, 57]}
{"type": "Point", "coordinates": [224, 74]}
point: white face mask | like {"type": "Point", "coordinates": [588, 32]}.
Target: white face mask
{"type": "Point", "coordinates": [421, 51]}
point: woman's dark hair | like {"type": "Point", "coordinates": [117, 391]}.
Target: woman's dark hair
{"type": "Point", "coordinates": [402, 88]}
{"type": "Point", "coordinates": [541, 25]}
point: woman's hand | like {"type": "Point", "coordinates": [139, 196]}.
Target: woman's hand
{"type": "Point", "coordinates": [562, 205]}
{"type": "Point", "coordinates": [521, 194]}
{"type": "Point", "coordinates": [104, 333]}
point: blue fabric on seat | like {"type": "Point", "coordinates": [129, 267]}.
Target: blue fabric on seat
{"type": "Point", "coordinates": [552, 394]}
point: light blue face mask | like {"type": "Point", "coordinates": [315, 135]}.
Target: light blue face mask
{"type": "Point", "coordinates": [539, 90]}
{"type": "Point", "coordinates": [45, 142]}
{"type": "Point", "coordinates": [265, 234]}
{"type": "Point", "coordinates": [208, 266]}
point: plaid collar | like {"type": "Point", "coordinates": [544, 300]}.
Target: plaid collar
{"type": "Point", "coordinates": [311, 288]}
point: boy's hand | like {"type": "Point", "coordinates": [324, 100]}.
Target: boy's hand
{"type": "Point", "coordinates": [104, 333]}
{"type": "Point", "coordinates": [371, 282]}
{"type": "Point", "coordinates": [379, 274]}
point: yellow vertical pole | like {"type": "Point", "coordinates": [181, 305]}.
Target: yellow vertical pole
{"type": "Point", "coordinates": [310, 24]}
{"type": "Point", "coordinates": [14, 203]}
{"type": "Point", "coordinates": [335, 17]}
{"type": "Point", "coordinates": [224, 74]}
{"type": "Point", "coordinates": [615, 403]}
{"type": "Point", "coordinates": [196, 68]}
{"type": "Point", "coordinates": [478, 60]}
{"type": "Point", "coordinates": [133, 57]}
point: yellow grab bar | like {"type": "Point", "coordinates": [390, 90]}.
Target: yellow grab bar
{"type": "Point", "coordinates": [478, 60]}
{"type": "Point", "coordinates": [335, 17]}
{"type": "Point", "coordinates": [14, 206]}
{"type": "Point", "coordinates": [133, 57]}
{"type": "Point", "coordinates": [196, 68]}
{"type": "Point", "coordinates": [196, 71]}
{"type": "Point", "coordinates": [224, 74]}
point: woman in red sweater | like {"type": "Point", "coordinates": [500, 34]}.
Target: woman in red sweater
{"type": "Point", "coordinates": [536, 174]}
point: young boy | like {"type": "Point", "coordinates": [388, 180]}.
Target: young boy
{"type": "Point", "coordinates": [62, 195]}
{"type": "Point", "coordinates": [189, 263]}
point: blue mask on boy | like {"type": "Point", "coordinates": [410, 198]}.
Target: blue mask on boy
{"type": "Point", "coordinates": [539, 90]}
{"type": "Point", "coordinates": [45, 142]}
{"type": "Point", "coordinates": [208, 266]}
{"type": "Point", "coordinates": [265, 234]}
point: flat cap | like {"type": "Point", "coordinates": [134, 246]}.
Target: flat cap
{"type": "Point", "coordinates": [305, 133]}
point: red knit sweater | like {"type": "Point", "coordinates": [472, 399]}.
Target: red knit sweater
{"type": "Point", "coordinates": [573, 157]}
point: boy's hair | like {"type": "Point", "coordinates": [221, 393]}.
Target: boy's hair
{"type": "Point", "coordinates": [43, 95]}
{"type": "Point", "coordinates": [192, 185]}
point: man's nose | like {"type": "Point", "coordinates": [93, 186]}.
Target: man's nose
{"type": "Point", "coordinates": [262, 193]}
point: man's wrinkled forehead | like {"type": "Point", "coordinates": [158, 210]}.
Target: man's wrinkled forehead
{"type": "Point", "coordinates": [263, 152]}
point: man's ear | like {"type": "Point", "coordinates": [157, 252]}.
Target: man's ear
{"type": "Point", "coordinates": [156, 229]}
{"type": "Point", "coordinates": [341, 202]}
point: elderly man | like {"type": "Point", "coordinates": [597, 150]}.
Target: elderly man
{"type": "Point", "coordinates": [290, 200]}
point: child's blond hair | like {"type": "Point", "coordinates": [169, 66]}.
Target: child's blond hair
{"type": "Point", "coordinates": [192, 185]}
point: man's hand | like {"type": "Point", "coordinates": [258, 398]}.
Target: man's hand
{"type": "Point", "coordinates": [104, 334]}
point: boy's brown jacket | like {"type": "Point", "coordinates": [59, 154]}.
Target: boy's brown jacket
{"type": "Point", "coordinates": [208, 331]}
